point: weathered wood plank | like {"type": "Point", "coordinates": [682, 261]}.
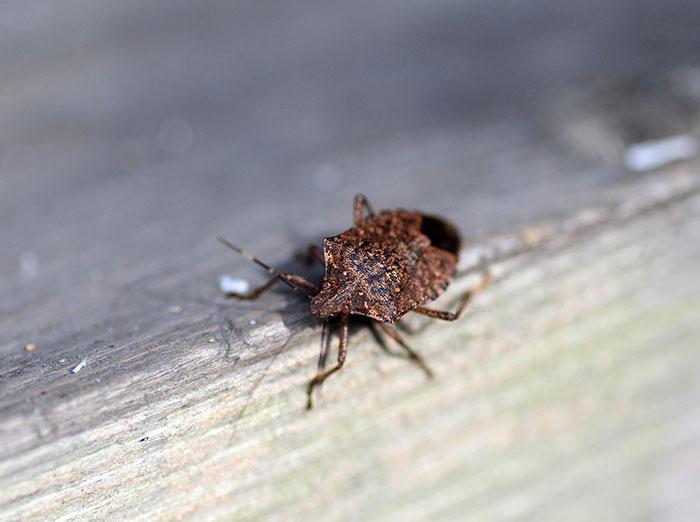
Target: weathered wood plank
{"type": "Point", "coordinates": [568, 392]}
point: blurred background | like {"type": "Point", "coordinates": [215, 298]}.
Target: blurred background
{"type": "Point", "coordinates": [132, 114]}
{"type": "Point", "coordinates": [133, 132]}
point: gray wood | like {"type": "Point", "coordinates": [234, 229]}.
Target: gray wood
{"type": "Point", "coordinates": [134, 132]}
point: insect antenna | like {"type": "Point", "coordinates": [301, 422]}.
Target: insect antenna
{"type": "Point", "coordinates": [279, 275]}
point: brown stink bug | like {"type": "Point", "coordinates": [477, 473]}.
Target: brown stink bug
{"type": "Point", "coordinates": [386, 265]}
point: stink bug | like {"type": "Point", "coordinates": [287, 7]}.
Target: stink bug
{"type": "Point", "coordinates": [386, 265]}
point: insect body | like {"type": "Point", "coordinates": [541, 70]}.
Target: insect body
{"type": "Point", "coordinates": [386, 265]}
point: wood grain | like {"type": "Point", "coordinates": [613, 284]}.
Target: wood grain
{"type": "Point", "coordinates": [134, 133]}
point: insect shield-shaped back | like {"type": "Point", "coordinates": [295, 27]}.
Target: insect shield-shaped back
{"type": "Point", "coordinates": [387, 265]}
{"type": "Point", "coordinates": [384, 266]}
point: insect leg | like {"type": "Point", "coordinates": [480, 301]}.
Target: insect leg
{"type": "Point", "coordinates": [313, 253]}
{"type": "Point", "coordinates": [297, 281]}
{"type": "Point", "coordinates": [294, 281]}
{"type": "Point", "coordinates": [412, 354]}
{"type": "Point", "coordinates": [254, 294]}
{"type": "Point", "coordinates": [324, 348]}
{"type": "Point", "coordinates": [323, 375]}
{"type": "Point", "coordinates": [464, 301]}
{"type": "Point", "coordinates": [359, 205]}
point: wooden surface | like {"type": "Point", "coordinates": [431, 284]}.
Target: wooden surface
{"type": "Point", "coordinates": [134, 132]}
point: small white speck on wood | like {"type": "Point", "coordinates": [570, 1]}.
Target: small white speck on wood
{"type": "Point", "coordinates": [80, 365]}
{"type": "Point", "coordinates": [233, 285]}
{"type": "Point", "coordinates": [650, 155]}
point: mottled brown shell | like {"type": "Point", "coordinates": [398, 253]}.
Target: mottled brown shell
{"type": "Point", "coordinates": [386, 266]}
